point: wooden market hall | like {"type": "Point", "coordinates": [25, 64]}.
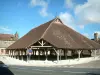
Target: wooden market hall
{"type": "Point", "coordinates": [53, 41]}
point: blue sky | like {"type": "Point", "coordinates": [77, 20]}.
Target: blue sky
{"type": "Point", "coordinates": [23, 15]}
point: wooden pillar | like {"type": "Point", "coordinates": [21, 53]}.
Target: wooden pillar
{"type": "Point", "coordinates": [95, 53]}
{"type": "Point", "coordinates": [15, 54]}
{"type": "Point", "coordinates": [79, 53]}
{"type": "Point", "coordinates": [25, 54]}
{"type": "Point", "coordinates": [57, 52]}
{"type": "Point", "coordinates": [50, 52]}
{"type": "Point", "coordinates": [12, 53]}
{"type": "Point", "coordinates": [9, 53]}
{"type": "Point", "coordinates": [58, 55]}
{"type": "Point", "coordinates": [21, 54]}
{"type": "Point", "coordinates": [33, 55]}
{"type": "Point", "coordinates": [18, 54]}
{"type": "Point", "coordinates": [65, 53]}
{"type": "Point", "coordinates": [44, 52]}
{"type": "Point", "coordinates": [38, 54]}
{"type": "Point", "coordinates": [46, 55]}
{"type": "Point", "coordinates": [35, 52]}
{"type": "Point", "coordinates": [90, 51]}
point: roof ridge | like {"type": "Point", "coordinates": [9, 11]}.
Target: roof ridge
{"type": "Point", "coordinates": [48, 27]}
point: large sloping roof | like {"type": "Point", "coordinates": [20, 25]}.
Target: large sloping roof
{"type": "Point", "coordinates": [57, 34]}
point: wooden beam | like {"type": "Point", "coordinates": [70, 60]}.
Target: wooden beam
{"type": "Point", "coordinates": [35, 48]}
{"type": "Point", "coordinates": [40, 43]}
{"type": "Point", "coordinates": [41, 46]}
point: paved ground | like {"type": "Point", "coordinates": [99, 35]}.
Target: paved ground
{"type": "Point", "coordinates": [92, 68]}
{"type": "Point", "coordinates": [17, 70]}
{"type": "Point", "coordinates": [93, 64]}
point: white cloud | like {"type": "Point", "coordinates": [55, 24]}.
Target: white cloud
{"type": "Point", "coordinates": [70, 19]}
{"type": "Point", "coordinates": [89, 12]}
{"type": "Point", "coordinates": [69, 3]}
{"type": "Point", "coordinates": [5, 29]}
{"type": "Point", "coordinates": [43, 4]}
{"type": "Point", "coordinates": [43, 12]}
{"type": "Point", "coordinates": [81, 26]}
{"type": "Point", "coordinates": [67, 19]}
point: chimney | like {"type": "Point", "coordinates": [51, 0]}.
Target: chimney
{"type": "Point", "coordinates": [96, 36]}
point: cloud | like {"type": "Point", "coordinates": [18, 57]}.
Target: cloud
{"type": "Point", "coordinates": [67, 19]}
{"type": "Point", "coordinates": [69, 3]}
{"type": "Point", "coordinates": [5, 29]}
{"type": "Point", "coordinates": [89, 12]}
{"type": "Point", "coordinates": [43, 12]}
{"type": "Point", "coordinates": [43, 4]}
{"type": "Point", "coordinates": [81, 26]}
{"type": "Point", "coordinates": [71, 20]}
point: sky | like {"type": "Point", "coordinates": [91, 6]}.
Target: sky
{"type": "Point", "coordinates": [23, 15]}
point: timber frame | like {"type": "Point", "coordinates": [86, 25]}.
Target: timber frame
{"type": "Point", "coordinates": [43, 48]}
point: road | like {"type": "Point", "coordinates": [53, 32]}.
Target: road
{"type": "Point", "coordinates": [27, 70]}
{"type": "Point", "coordinates": [91, 68]}
{"type": "Point", "coordinates": [93, 64]}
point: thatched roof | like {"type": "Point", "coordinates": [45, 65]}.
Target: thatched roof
{"type": "Point", "coordinates": [58, 35]}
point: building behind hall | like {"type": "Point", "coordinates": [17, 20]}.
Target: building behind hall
{"type": "Point", "coordinates": [6, 40]}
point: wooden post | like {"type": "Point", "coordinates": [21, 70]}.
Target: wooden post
{"type": "Point", "coordinates": [35, 52]}
{"type": "Point", "coordinates": [18, 54]}
{"type": "Point", "coordinates": [79, 52]}
{"type": "Point", "coordinates": [57, 55]}
{"type": "Point", "coordinates": [57, 52]}
{"type": "Point", "coordinates": [65, 54]}
{"type": "Point", "coordinates": [46, 55]}
{"type": "Point", "coordinates": [13, 53]}
{"type": "Point", "coordinates": [22, 54]}
{"type": "Point", "coordinates": [95, 53]}
{"type": "Point", "coordinates": [9, 53]}
{"type": "Point", "coordinates": [38, 54]}
{"type": "Point", "coordinates": [60, 54]}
